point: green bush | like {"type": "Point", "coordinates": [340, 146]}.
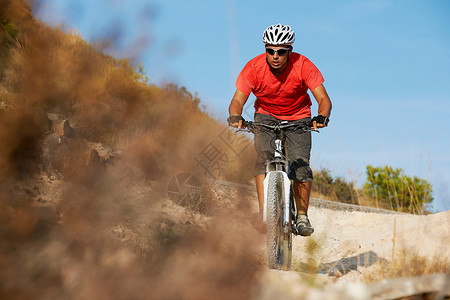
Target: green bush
{"type": "Point", "coordinates": [401, 192]}
{"type": "Point", "coordinates": [336, 189]}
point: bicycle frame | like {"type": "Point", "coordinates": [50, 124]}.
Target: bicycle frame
{"type": "Point", "coordinates": [279, 207]}
{"type": "Point", "coordinates": [279, 163]}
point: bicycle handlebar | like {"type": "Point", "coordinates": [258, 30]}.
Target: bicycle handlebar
{"type": "Point", "coordinates": [294, 126]}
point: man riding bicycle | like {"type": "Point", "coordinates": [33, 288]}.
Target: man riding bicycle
{"type": "Point", "coordinates": [280, 80]}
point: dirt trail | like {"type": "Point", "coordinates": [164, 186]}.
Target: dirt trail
{"type": "Point", "coordinates": [343, 230]}
{"type": "Point", "coordinates": [365, 238]}
{"type": "Point", "coordinates": [351, 241]}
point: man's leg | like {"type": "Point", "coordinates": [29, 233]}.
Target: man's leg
{"type": "Point", "coordinates": [263, 152]}
{"type": "Point", "coordinates": [298, 151]}
{"type": "Point", "coordinates": [302, 192]}
{"type": "Point", "coordinates": [257, 218]}
{"type": "Point", "coordinates": [259, 180]}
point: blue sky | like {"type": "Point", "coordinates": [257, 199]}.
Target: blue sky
{"type": "Point", "coordinates": [386, 65]}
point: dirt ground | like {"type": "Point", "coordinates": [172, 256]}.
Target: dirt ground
{"type": "Point", "coordinates": [347, 248]}
{"type": "Point", "coordinates": [122, 229]}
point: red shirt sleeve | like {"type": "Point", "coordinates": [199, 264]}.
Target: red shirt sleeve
{"type": "Point", "coordinates": [245, 80]}
{"type": "Point", "coordinates": [311, 75]}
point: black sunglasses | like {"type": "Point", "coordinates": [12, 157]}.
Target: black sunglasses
{"type": "Point", "coordinates": [281, 52]}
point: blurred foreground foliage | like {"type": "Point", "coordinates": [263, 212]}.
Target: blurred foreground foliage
{"type": "Point", "coordinates": [163, 129]}
{"type": "Point", "coordinates": [82, 224]}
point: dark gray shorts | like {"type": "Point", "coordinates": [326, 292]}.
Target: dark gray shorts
{"type": "Point", "coordinates": [297, 147]}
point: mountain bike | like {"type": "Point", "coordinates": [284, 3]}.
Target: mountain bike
{"type": "Point", "coordinates": [280, 210]}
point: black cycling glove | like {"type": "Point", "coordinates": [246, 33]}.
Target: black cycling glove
{"type": "Point", "coordinates": [321, 120]}
{"type": "Point", "coordinates": [235, 119]}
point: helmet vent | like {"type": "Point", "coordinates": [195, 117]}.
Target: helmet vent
{"type": "Point", "coordinates": [278, 35]}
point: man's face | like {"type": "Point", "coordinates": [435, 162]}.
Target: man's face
{"type": "Point", "coordinates": [277, 60]}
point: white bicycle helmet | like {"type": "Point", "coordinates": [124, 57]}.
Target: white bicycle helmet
{"type": "Point", "coordinates": [279, 35]}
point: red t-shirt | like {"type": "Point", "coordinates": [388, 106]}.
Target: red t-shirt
{"type": "Point", "coordinates": [284, 97]}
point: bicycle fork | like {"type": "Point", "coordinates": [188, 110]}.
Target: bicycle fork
{"type": "Point", "coordinates": [286, 198]}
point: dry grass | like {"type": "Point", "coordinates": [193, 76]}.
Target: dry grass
{"type": "Point", "coordinates": [408, 264]}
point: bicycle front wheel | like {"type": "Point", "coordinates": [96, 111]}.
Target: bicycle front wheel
{"type": "Point", "coordinates": [279, 237]}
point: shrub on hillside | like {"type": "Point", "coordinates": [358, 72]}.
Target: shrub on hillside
{"type": "Point", "coordinates": [336, 189]}
{"type": "Point", "coordinates": [400, 192]}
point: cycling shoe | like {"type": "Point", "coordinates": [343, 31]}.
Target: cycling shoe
{"type": "Point", "coordinates": [303, 226]}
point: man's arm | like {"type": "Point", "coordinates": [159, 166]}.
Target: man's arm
{"type": "Point", "coordinates": [322, 98]}
{"type": "Point", "coordinates": [236, 106]}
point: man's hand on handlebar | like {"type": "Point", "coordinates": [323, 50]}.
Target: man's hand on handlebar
{"type": "Point", "coordinates": [236, 121]}
{"type": "Point", "coordinates": [239, 122]}
{"type": "Point", "coordinates": [319, 122]}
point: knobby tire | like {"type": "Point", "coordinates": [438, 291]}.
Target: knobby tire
{"type": "Point", "coordinates": [279, 238]}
